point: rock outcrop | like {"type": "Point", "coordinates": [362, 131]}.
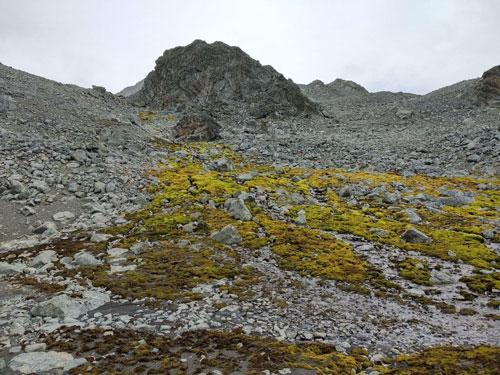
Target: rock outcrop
{"type": "Point", "coordinates": [487, 88]}
{"type": "Point", "coordinates": [221, 79]}
{"type": "Point", "coordinates": [196, 127]}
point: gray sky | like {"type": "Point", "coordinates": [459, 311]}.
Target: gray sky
{"type": "Point", "coordinates": [397, 45]}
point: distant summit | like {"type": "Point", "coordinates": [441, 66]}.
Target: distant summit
{"type": "Point", "coordinates": [131, 90]}
{"type": "Point", "coordinates": [221, 79]}
{"type": "Point", "coordinates": [318, 90]}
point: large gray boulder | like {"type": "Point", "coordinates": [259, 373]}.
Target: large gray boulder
{"type": "Point", "coordinates": [413, 235]}
{"type": "Point", "coordinates": [216, 77]}
{"type": "Point", "coordinates": [63, 306]}
{"type": "Point", "coordinates": [11, 268]}
{"type": "Point", "coordinates": [227, 235]}
{"type": "Point", "coordinates": [41, 362]}
{"type": "Point", "coordinates": [196, 127]}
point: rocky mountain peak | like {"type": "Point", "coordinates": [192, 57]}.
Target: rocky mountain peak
{"type": "Point", "coordinates": [220, 78]}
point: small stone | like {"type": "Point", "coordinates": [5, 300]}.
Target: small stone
{"type": "Point", "coordinates": [47, 229]}
{"type": "Point", "coordinates": [391, 198]}
{"type": "Point", "coordinates": [41, 186]}
{"type": "Point", "coordinates": [441, 277]}
{"type": "Point", "coordinates": [110, 187]}
{"type": "Point", "coordinates": [222, 165]}
{"type": "Point", "coordinates": [86, 259]}
{"type": "Point", "coordinates": [28, 211]}
{"type": "Point", "coordinates": [412, 216]}
{"type": "Point", "coordinates": [99, 237]}
{"type": "Point", "coordinates": [79, 155]}
{"type": "Point", "coordinates": [63, 216]}
{"type": "Point", "coordinates": [301, 218]}
{"type": "Point", "coordinates": [99, 187]}
{"type": "Point", "coordinates": [121, 269]}
{"type": "Point", "coordinates": [489, 234]}
{"type": "Point", "coordinates": [72, 187]}
{"type": "Point", "coordinates": [117, 252]}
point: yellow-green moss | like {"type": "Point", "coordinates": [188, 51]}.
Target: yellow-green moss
{"type": "Point", "coordinates": [482, 360]}
{"type": "Point", "coordinates": [415, 270]}
{"type": "Point", "coordinates": [482, 283]}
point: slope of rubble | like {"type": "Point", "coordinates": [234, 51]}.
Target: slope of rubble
{"type": "Point", "coordinates": [362, 239]}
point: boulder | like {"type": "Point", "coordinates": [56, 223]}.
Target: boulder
{"type": "Point", "coordinates": [196, 127]}
{"type": "Point", "coordinates": [86, 259]}
{"type": "Point", "coordinates": [42, 362]}
{"type": "Point", "coordinates": [413, 235]}
{"type": "Point", "coordinates": [237, 209]}
{"type": "Point", "coordinates": [61, 306]}
{"type": "Point", "coordinates": [43, 258]}
{"type": "Point", "coordinates": [227, 235]}
{"type": "Point", "coordinates": [11, 268]}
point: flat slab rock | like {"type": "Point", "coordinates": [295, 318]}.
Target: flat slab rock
{"type": "Point", "coordinates": [38, 362]}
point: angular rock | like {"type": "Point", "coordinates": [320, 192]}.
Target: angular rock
{"type": "Point", "coordinates": [99, 237]}
{"type": "Point", "coordinates": [86, 259]}
{"type": "Point", "coordinates": [441, 277]}
{"type": "Point", "coordinates": [11, 268]}
{"type": "Point", "coordinates": [42, 362]}
{"type": "Point", "coordinates": [43, 258]}
{"type": "Point", "coordinates": [196, 127]}
{"type": "Point", "coordinates": [63, 216]}
{"type": "Point", "coordinates": [237, 209]}
{"type": "Point", "coordinates": [61, 306]}
{"type": "Point", "coordinates": [412, 216]}
{"type": "Point", "coordinates": [413, 235]}
{"type": "Point", "coordinates": [227, 235]}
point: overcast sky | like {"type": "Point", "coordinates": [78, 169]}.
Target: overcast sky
{"type": "Point", "coordinates": [397, 45]}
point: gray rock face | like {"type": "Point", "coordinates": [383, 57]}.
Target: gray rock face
{"type": "Point", "coordinates": [413, 235]}
{"type": "Point", "coordinates": [196, 127]}
{"type": "Point", "coordinates": [237, 209]}
{"type": "Point", "coordinates": [215, 76]}
{"type": "Point", "coordinates": [488, 88]}
{"type": "Point", "coordinates": [7, 103]}
{"type": "Point", "coordinates": [41, 362]}
{"type": "Point", "coordinates": [227, 235]}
